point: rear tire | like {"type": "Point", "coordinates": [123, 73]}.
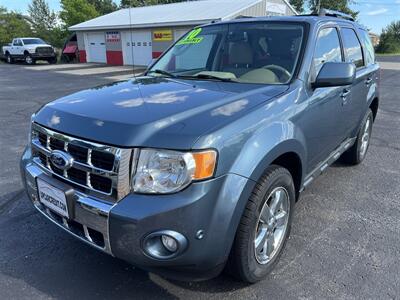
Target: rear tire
{"type": "Point", "coordinates": [264, 226]}
{"type": "Point", "coordinates": [356, 154]}
{"type": "Point", "coordinates": [9, 59]}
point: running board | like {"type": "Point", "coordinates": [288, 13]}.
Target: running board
{"type": "Point", "coordinates": [334, 156]}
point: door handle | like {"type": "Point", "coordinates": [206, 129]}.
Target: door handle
{"type": "Point", "coordinates": [345, 93]}
{"type": "Point", "coordinates": [368, 81]}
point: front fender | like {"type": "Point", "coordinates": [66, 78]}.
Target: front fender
{"type": "Point", "coordinates": [266, 145]}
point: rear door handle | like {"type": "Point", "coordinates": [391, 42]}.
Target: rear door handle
{"type": "Point", "coordinates": [368, 81]}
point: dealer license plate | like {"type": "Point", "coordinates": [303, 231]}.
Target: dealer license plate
{"type": "Point", "coordinates": [53, 198]}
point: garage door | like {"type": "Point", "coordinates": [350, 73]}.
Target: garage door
{"type": "Point", "coordinates": [97, 47]}
{"type": "Point", "coordinates": [139, 44]}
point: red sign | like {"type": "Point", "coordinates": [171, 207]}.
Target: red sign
{"type": "Point", "coordinates": [113, 37]}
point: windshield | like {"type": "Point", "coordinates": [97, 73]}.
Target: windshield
{"type": "Point", "coordinates": [258, 52]}
{"type": "Point", "coordinates": [33, 41]}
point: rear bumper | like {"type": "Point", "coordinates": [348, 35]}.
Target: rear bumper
{"type": "Point", "coordinates": [213, 206]}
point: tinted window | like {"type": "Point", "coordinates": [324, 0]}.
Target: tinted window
{"type": "Point", "coordinates": [17, 43]}
{"type": "Point", "coordinates": [327, 49]}
{"type": "Point", "coordinates": [33, 41]}
{"type": "Point", "coordinates": [352, 47]}
{"type": "Point", "coordinates": [369, 48]}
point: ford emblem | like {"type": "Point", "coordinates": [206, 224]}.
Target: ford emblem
{"type": "Point", "coordinates": [61, 160]}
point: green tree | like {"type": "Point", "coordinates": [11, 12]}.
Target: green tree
{"type": "Point", "coordinates": [298, 5]}
{"type": "Point", "coordinates": [12, 25]}
{"type": "Point", "coordinates": [76, 11]}
{"type": "Point", "coordinates": [135, 3]}
{"type": "Point", "coordinates": [104, 7]}
{"type": "Point", "coordinates": [44, 20]}
{"type": "Point", "coordinates": [390, 39]}
{"type": "Point", "coordinates": [339, 5]}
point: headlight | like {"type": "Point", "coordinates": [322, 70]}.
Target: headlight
{"type": "Point", "coordinates": [31, 50]}
{"type": "Point", "coordinates": [165, 171]}
{"type": "Point", "coordinates": [30, 128]}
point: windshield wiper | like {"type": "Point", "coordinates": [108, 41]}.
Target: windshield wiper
{"type": "Point", "coordinates": [207, 76]}
{"type": "Point", "coordinates": [162, 72]}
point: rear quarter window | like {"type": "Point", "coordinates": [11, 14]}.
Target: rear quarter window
{"type": "Point", "coordinates": [352, 47]}
{"type": "Point", "coordinates": [369, 47]}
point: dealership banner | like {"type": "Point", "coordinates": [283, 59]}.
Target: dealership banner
{"type": "Point", "coordinates": [113, 37]}
{"type": "Point", "coordinates": [162, 35]}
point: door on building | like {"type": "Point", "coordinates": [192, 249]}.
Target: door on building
{"type": "Point", "coordinates": [137, 48]}
{"type": "Point", "coordinates": [97, 47]}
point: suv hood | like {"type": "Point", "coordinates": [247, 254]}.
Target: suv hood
{"type": "Point", "coordinates": [152, 111]}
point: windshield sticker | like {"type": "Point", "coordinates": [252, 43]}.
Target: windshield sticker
{"type": "Point", "coordinates": [192, 38]}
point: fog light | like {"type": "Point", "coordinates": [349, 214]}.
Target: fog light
{"type": "Point", "coordinates": [169, 243]}
{"type": "Point", "coordinates": [164, 244]}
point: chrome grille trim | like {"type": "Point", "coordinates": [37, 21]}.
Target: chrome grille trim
{"type": "Point", "coordinates": [119, 175]}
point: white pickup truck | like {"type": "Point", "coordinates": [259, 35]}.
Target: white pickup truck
{"type": "Point", "coordinates": [29, 50]}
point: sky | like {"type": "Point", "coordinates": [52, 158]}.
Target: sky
{"type": "Point", "coordinates": [375, 14]}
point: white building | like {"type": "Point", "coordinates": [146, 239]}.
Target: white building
{"type": "Point", "coordinates": [147, 31]}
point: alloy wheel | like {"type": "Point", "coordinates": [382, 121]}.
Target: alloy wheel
{"type": "Point", "coordinates": [272, 225]}
{"type": "Point", "coordinates": [365, 137]}
{"type": "Point", "coordinates": [28, 59]}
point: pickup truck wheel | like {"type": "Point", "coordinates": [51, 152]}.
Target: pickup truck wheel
{"type": "Point", "coordinates": [29, 60]}
{"type": "Point", "coordinates": [356, 154]}
{"type": "Point", "coordinates": [52, 61]}
{"type": "Point", "coordinates": [264, 226]}
{"type": "Point", "coordinates": [9, 59]}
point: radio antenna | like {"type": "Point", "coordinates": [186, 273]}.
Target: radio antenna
{"type": "Point", "coordinates": [131, 43]}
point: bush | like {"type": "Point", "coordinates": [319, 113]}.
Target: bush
{"type": "Point", "coordinates": [390, 39]}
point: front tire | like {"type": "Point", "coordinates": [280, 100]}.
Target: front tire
{"type": "Point", "coordinates": [356, 154]}
{"type": "Point", "coordinates": [264, 226]}
{"type": "Point", "coordinates": [52, 61]}
{"type": "Point", "coordinates": [29, 59]}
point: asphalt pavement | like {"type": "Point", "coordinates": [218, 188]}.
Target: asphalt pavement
{"type": "Point", "coordinates": [345, 241]}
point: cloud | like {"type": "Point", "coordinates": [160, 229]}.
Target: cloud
{"type": "Point", "coordinates": [377, 12]}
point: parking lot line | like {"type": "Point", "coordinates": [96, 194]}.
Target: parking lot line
{"type": "Point", "coordinates": [94, 71]}
{"type": "Point", "coordinates": [60, 66]}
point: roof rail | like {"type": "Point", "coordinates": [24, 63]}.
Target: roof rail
{"type": "Point", "coordinates": [243, 17]}
{"type": "Point", "coordinates": [334, 13]}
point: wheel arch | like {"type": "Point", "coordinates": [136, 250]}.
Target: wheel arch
{"type": "Point", "coordinates": [374, 106]}
{"type": "Point", "coordinates": [289, 154]}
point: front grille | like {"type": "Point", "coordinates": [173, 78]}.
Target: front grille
{"type": "Point", "coordinates": [44, 50]}
{"type": "Point", "coordinates": [96, 168]}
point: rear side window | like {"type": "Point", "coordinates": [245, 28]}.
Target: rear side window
{"type": "Point", "coordinates": [327, 49]}
{"type": "Point", "coordinates": [352, 47]}
{"type": "Point", "coordinates": [369, 48]}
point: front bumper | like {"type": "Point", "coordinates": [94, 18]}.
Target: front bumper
{"type": "Point", "coordinates": [43, 55]}
{"type": "Point", "coordinates": [213, 206]}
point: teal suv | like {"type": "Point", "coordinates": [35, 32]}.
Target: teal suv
{"type": "Point", "coordinates": [197, 165]}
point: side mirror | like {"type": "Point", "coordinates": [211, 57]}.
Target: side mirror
{"type": "Point", "coordinates": [335, 74]}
